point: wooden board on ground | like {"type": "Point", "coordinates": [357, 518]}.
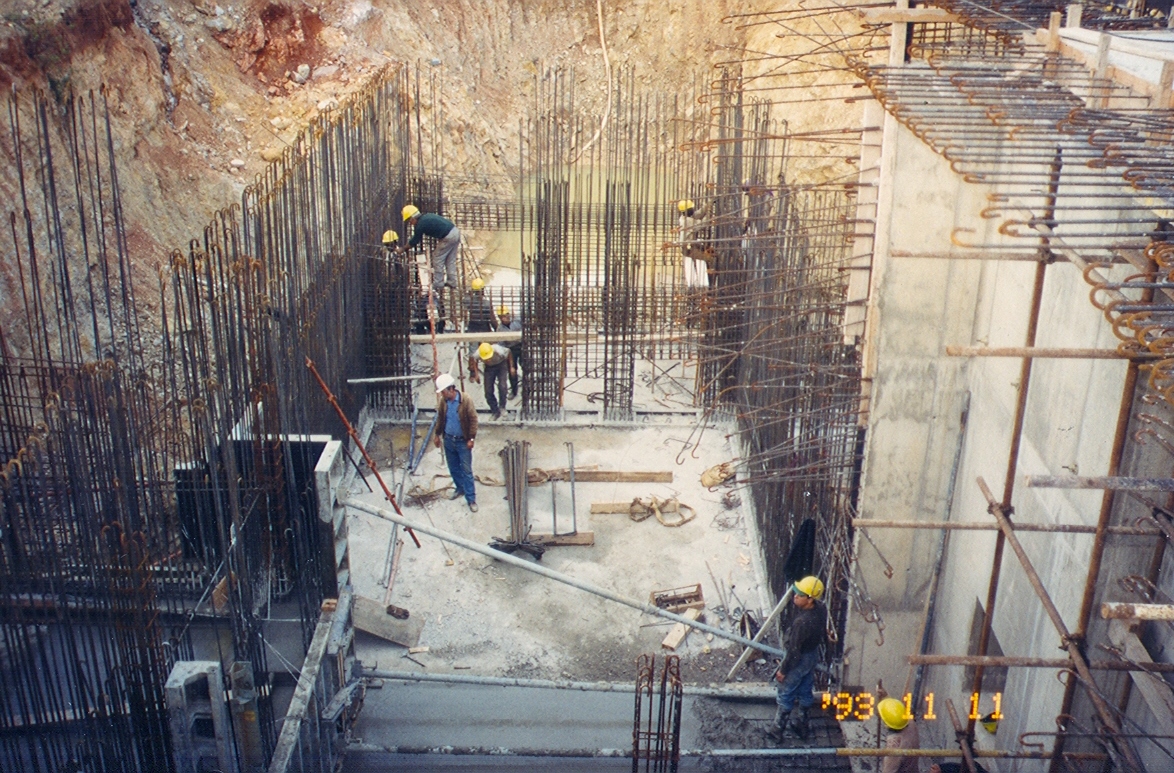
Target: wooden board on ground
{"type": "Point", "coordinates": [579, 538]}
{"type": "Point", "coordinates": [538, 476]}
{"type": "Point", "coordinates": [680, 631]}
{"type": "Point", "coordinates": [371, 617]}
{"type": "Point", "coordinates": [611, 508]}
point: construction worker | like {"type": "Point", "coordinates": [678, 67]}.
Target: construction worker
{"type": "Point", "coordinates": [795, 674]}
{"type": "Point", "coordinates": [499, 362]}
{"type": "Point", "coordinates": [448, 242]}
{"type": "Point", "coordinates": [507, 321]}
{"type": "Point", "coordinates": [390, 238]}
{"type": "Point", "coordinates": [693, 248]}
{"type": "Point", "coordinates": [456, 430]}
{"type": "Point", "coordinates": [902, 735]}
{"type": "Point", "coordinates": [481, 319]}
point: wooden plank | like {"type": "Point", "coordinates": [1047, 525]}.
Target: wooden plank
{"type": "Point", "coordinates": [299, 706]}
{"type": "Point", "coordinates": [611, 508]}
{"type": "Point", "coordinates": [606, 476]}
{"type": "Point", "coordinates": [1154, 689]}
{"type": "Point", "coordinates": [579, 538]}
{"type": "Point", "coordinates": [1119, 611]}
{"type": "Point", "coordinates": [371, 617]}
{"type": "Point", "coordinates": [679, 631]}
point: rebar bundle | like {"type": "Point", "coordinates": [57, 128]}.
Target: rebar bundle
{"type": "Point", "coordinates": [515, 461]}
{"type": "Point", "coordinates": [656, 730]}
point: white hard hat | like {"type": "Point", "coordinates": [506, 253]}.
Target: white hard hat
{"type": "Point", "coordinates": [443, 382]}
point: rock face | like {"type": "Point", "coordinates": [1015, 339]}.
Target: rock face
{"type": "Point", "coordinates": [203, 93]}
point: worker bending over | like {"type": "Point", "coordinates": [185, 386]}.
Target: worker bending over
{"type": "Point", "coordinates": [499, 363]}
{"type": "Point", "coordinates": [805, 636]}
{"type": "Point", "coordinates": [448, 242]}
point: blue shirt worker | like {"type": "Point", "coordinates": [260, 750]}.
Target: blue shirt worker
{"type": "Point", "coordinates": [448, 243]}
{"type": "Point", "coordinates": [499, 363]}
{"type": "Point", "coordinates": [808, 632]}
{"type": "Point", "coordinates": [457, 424]}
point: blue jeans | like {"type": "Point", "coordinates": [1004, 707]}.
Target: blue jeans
{"type": "Point", "coordinates": [460, 465]}
{"type": "Point", "coordinates": [796, 687]}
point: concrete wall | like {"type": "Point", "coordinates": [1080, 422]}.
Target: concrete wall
{"type": "Point", "coordinates": [919, 306]}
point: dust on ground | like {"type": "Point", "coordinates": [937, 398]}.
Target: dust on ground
{"type": "Point", "coordinates": [489, 618]}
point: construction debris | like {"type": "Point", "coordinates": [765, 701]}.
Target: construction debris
{"type": "Point", "coordinates": [641, 509]}
{"type": "Point", "coordinates": [678, 599]}
{"type": "Point", "coordinates": [371, 617]}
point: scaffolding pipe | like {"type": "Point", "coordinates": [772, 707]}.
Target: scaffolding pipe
{"type": "Point", "coordinates": [822, 751]}
{"type": "Point", "coordinates": [994, 661]}
{"type": "Point", "coordinates": [498, 555]}
{"type": "Point", "coordinates": [759, 692]}
{"type": "Point", "coordinates": [1103, 709]}
{"type": "Point", "coordinates": [1055, 528]}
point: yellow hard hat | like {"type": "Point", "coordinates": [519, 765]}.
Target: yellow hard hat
{"type": "Point", "coordinates": [893, 714]}
{"type": "Point", "coordinates": [477, 284]}
{"type": "Point", "coordinates": [809, 586]}
{"type": "Point", "coordinates": [485, 351]}
{"type": "Point", "coordinates": [503, 311]}
{"type": "Point", "coordinates": [409, 212]}
{"type": "Point", "coordinates": [390, 237]}
{"type": "Point", "coordinates": [684, 205]}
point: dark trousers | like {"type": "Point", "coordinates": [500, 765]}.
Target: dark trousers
{"type": "Point", "coordinates": [495, 376]}
{"type": "Point", "coordinates": [517, 352]}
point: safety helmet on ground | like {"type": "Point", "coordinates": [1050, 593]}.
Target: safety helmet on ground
{"type": "Point", "coordinates": [409, 212]}
{"type": "Point", "coordinates": [390, 237]}
{"type": "Point", "coordinates": [809, 586]}
{"type": "Point", "coordinates": [893, 714]}
{"type": "Point", "coordinates": [504, 311]}
{"type": "Point", "coordinates": [485, 351]}
{"type": "Point", "coordinates": [477, 284]}
{"type": "Point", "coordinates": [444, 381]}
{"type": "Point", "coordinates": [684, 205]}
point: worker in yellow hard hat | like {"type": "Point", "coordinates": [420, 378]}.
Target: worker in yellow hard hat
{"type": "Point", "coordinates": [390, 237]}
{"type": "Point", "coordinates": [481, 318]}
{"type": "Point", "coordinates": [448, 242]}
{"type": "Point", "coordinates": [506, 321]}
{"type": "Point", "coordinates": [499, 363]}
{"type": "Point", "coordinates": [902, 734]}
{"type": "Point", "coordinates": [806, 635]}
{"type": "Point", "coordinates": [691, 239]}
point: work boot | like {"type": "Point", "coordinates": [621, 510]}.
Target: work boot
{"type": "Point", "coordinates": [456, 494]}
{"type": "Point", "coordinates": [798, 723]}
{"type": "Point", "coordinates": [778, 724]}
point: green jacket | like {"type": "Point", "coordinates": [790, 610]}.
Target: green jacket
{"type": "Point", "coordinates": [430, 225]}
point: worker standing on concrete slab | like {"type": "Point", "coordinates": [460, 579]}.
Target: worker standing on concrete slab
{"type": "Point", "coordinates": [448, 242]}
{"type": "Point", "coordinates": [508, 322]}
{"type": "Point", "coordinates": [481, 318]}
{"type": "Point", "coordinates": [693, 247]}
{"type": "Point", "coordinates": [457, 420]}
{"type": "Point", "coordinates": [499, 363]}
{"type": "Point", "coordinates": [903, 734]}
{"type": "Point", "coordinates": [807, 633]}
